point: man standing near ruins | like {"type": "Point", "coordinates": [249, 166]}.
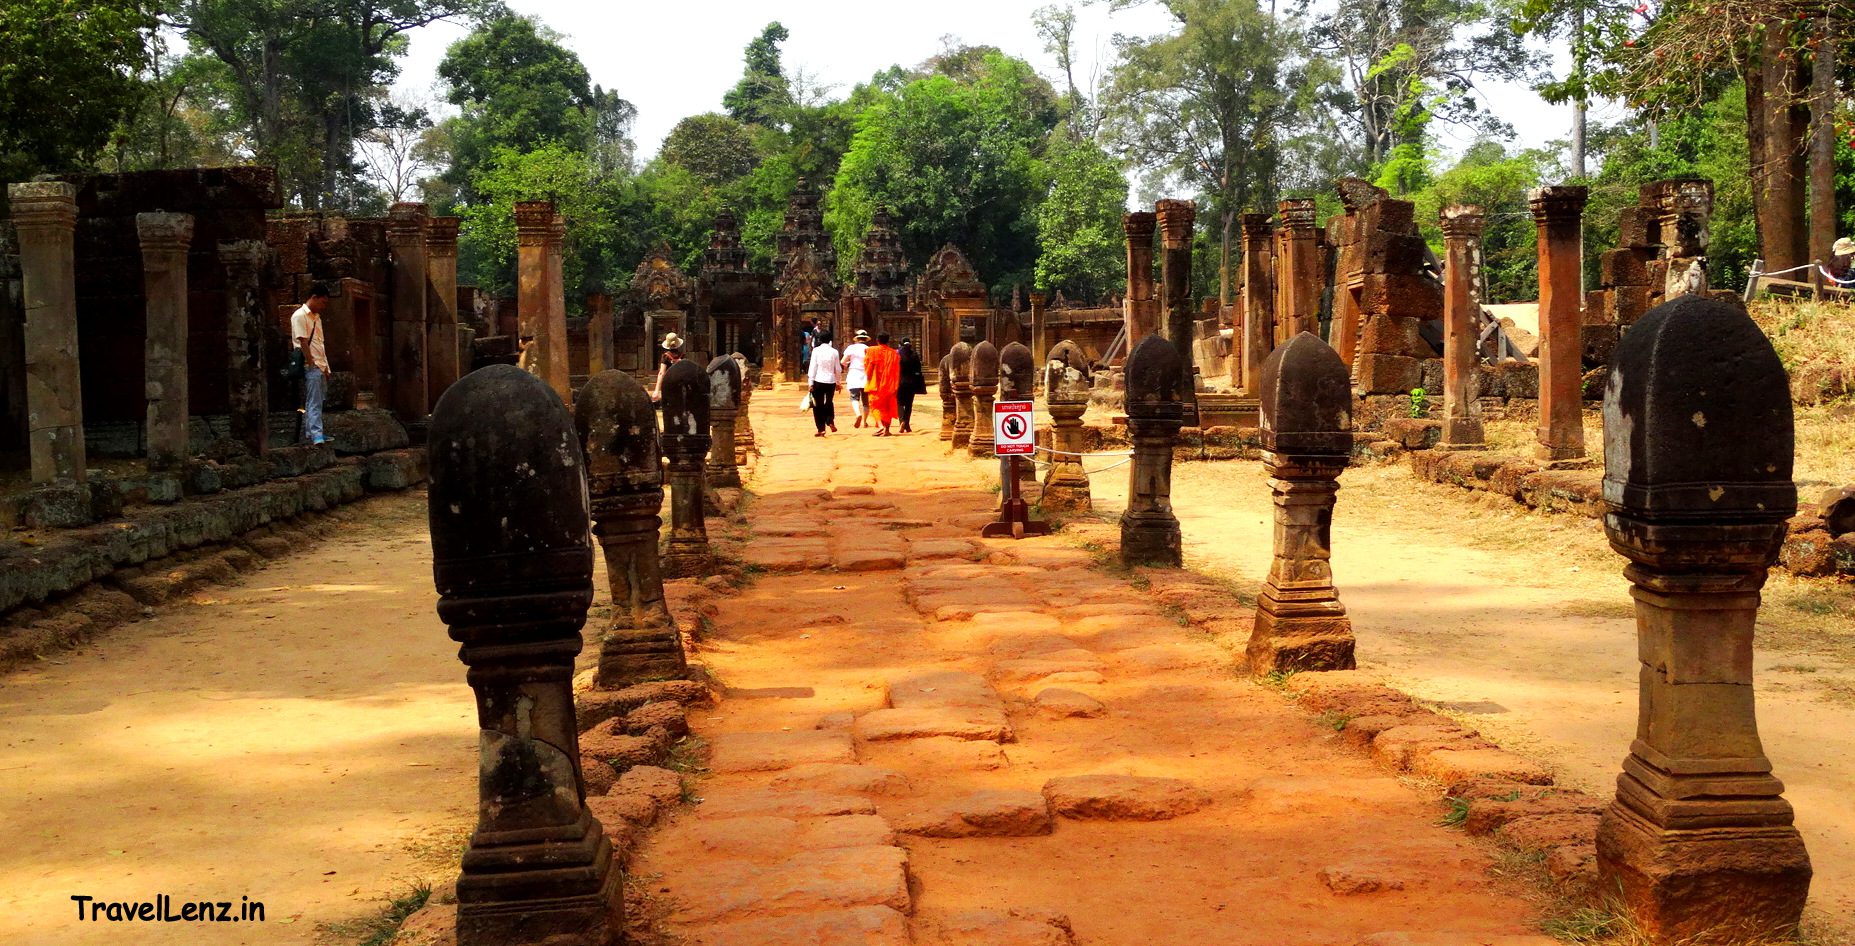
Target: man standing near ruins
{"type": "Point", "coordinates": [824, 375]}
{"type": "Point", "coordinates": [306, 330]}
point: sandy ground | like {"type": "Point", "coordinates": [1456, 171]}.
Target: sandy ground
{"type": "Point", "coordinates": [304, 739]}
{"type": "Point", "coordinates": [1521, 623]}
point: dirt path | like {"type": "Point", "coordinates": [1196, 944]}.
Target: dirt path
{"type": "Point", "coordinates": [294, 739]}
{"type": "Point", "coordinates": [1522, 624]}
{"type": "Point", "coordinates": [899, 710]}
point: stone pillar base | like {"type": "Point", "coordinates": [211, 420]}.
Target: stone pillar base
{"type": "Point", "coordinates": [1463, 433]}
{"type": "Point", "coordinates": [1548, 462]}
{"type": "Point", "coordinates": [687, 558]}
{"type": "Point", "coordinates": [596, 919]}
{"type": "Point", "coordinates": [1293, 642]}
{"type": "Point", "coordinates": [1152, 542]}
{"type": "Point", "coordinates": [631, 655]}
{"type": "Point", "coordinates": [1711, 885]}
{"type": "Point", "coordinates": [1065, 497]}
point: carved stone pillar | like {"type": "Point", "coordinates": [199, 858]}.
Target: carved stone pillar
{"type": "Point", "coordinates": [247, 383]}
{"type": "Point", "coordinates": [1462, 427]}
{"type": "Point", "coordinates": [165, 238]}
{"type": "Point", "coordinates": [558, 365]}
{"type": "Point", "coordinates": [1066, 386]}
{"type": "Point", "coordinates": [1149, 530]}
{"type": "Point", "coordinates": [685, 445]}
{"type": "Point", "coordinates": [1299, 271]}
{"type": "Point", "coordinates": [534, 222]}
{"type": "Point", "coordinates": [1175, 268]}
{"type": "Point", "coordinates": [1307, 440]}
{"type": "Point", "coordinates": [617, 424]}
{"type": "Point", "coordinates": [599, 351]}
{"type": "Point", "coordinates": [405, 237]}
{"type": "Point", "coordinates": [949, 406]}
{"type": "Point", "coordinates": [1558, 213]}
{"type": "Point", "coordinates": [744, 443]}
{"type": "Point", "coordinates": [1040, 331]}
{"type": "Point", "coordinates": [961, 357]}
{"type": "Point", "coordinates": [45, 217]}
{"type": "Point", "coordinates": [1698, 843]}
{"type": "Point", "coordinates": [441, 365]}
{"type": "Point", "coordinates": [984, 390]}
{"type": "Point", "coordinates": [1258, 334]}
{"type": "Point", "coordinates": [1140, 308]}
{"type": "Point", "coordinates": [513, 566]}
{"type": "Point", "coordinates": [724, 378]}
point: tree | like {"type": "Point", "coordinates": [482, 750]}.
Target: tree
{"type": "Point", "coordinates": [1497, 182]}
{"type": "Point", "coordinates": [1213, 104]}
{"type": "Point", "coordinates": [518, 89]}
{"type": "Point", "coordinates": [713, 147]}
{"type": "Point", "coordinates": [67, 74]}
{"type": "Point", "coordinates": [1588, 25]}
{"type": "Point", "coordinates": [1080, 242]}
{"type": "Point", "coordinates": [762, 92]}
{"type": "Point", "coordinates": [394, 155]}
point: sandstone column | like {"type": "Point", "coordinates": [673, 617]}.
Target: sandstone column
{"type": "Point", "coordinates": [1175, 225]}
{"type": "Point", "coordinates": [405, 237]}
{"type": "Point", "coordinates": [247, 383]}
{"type": "Point", "coordinates": [985, 389]}
{"type": "Point", "coordinates": [1698, 842]}
{"type": "Point", "coordinates": [961, 358]}
{"type": "Point", "coordinates": [1040, 332]}
{"type": "Point", "coordinates": [1307, 400]}
{"type": "Point", "coordinates": [1558, 213]}
{"type": "Point", "coordinates": [949, 407]}
{"type": "Point", "coordinates": [744, 444]}
{"type": "Point", "coordinates": [45, 217]}
{"type": "Point", "coordinates": [1462, 226]}
{"type": "Point", "coordinates": [534, 221]}
{"type": "Point", "coordinates": [442, 368]}
{"type": "Point", "coordinates": [559, 366]}
{"type": "Point", "coordinates": [599, 351]}
{"type": "Point", "coordinates": [1140, 308]}
{"type": "Point", "coordinates": [165, 239]}
{"type": "Point", "coordinates": [513, 566]}
{"type": "Point", "coordinates": [1300, 271]}
{"type": "Point", "coordinates": [1066, 386]}
{"type": "Point", "coordinates": [686, 402]}
{"type": "Point", "coordinates": [1149, 530]}
{"type": "Point", "coordinates": [617, 424]}
{"type": "Point", "coordinates": [724, 379]}
{"type": "Point", "coordinates": [1258, 335]}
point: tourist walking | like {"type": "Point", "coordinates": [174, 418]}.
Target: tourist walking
{"type": "Point", "coordinates": [306, 335]}
{"type": "Point", "coordinates": [824, 373]}
{"type": "Point", "coordinates": [808, 338]}
{"type": "Point", "coordinates": [913, 382]}
{"type": "Point", "coordinates": [672, 353]}
{"type": "Point", "coordinates": [856, 374]}
{"type": "Point", "coordinates": [885, 376]}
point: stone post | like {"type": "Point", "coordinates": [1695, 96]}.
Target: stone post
{"type": "Point", "coordinates": [1558, 213]}
{"type": "Point", "coordinates": [724, 378]}
{"type": "Point", "coordinates": [744, 444]}
{"type": "Point", "coordinates": [1040, 332]}
{"type": "Point", "coordinates": [686, 402]}
{"type": "Point", "coordinates": [1307, 439]}
{"type": "Point", "coordinates": [1175, 267]}
{"type": "Point", "coordinates": [247, 383]}
{"type": "Point", "coordinates": [45, 217]}
{"type": "Point", "coordinates": [1462, 227]}
{"type": "Point", "coordinates": [405, 237]}
{"type": "Point", "coordinates": [1698, 843]}
{"type": "Point", "coordinates": [949, 407]}
{"type": "Point", "coordinates": [513, 565]}
{"type": "Point", "coordinates": [1149, 530]}
{"type": "Point", "coordinates": [961, 358]}
{"type": "Point", "coordinates": [1257, 339]}
{"type": "Point", "coordinates": [599, 351]}
{"type": "Point", "coordinates": [534, 221]}
{"type": "Point", "coordinates": [1140, 308]}
{"type": "Point", "coordinates": [1299, 271]}
{"type": "Point", "coordinates": [559, 365]}
{"type": "Point", "coordinates": [441, 364]}
{"type": "Point", "coordinates": [617, 424]}
{"type": "Point", "coordinates": [985, 389]}
{"type": "Point", "coordinates": [165, 238]}
{"type": "Point", "coordinates": [1066, 386]}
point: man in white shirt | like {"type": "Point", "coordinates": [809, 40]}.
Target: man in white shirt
{"type": "Point", "coordinates": [306, 335]}
{"type": "Point", "coordinates": [824, 372]}
{"type": "Point", "coordinates": [854, 377]}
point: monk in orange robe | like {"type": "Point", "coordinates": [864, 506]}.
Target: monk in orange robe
{"type": "Point", "coordinates": [883, 368]}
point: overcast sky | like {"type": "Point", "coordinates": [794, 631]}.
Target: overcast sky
{"type": "Point", "coordinates": [672, 60]}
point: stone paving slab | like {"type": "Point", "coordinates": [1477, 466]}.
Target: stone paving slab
{"type": "Point", "coordinates": [766, 751]}
{"type": "Point", "coordinates": [837, 878]}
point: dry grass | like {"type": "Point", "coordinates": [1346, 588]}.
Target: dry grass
{"type": "Point", "coordinates": [1816, 342]}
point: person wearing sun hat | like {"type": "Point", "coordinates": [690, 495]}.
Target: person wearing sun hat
{"type": "Point", "coordinates": [672, 353]}
{"type": "Point", "coordinates": [855, 359]}
{"type": "Point", "coordinates": [1841, 262]}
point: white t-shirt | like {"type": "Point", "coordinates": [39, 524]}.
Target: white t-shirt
{"type": "Point", "coordinates": [306, 324]}
{"type": "Point", "coordinates": [853, 365]}
{"type": "Point", "coordinates": [824, 365]}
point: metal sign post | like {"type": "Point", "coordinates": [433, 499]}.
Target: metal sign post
{"type": "Point", "coordinates": [1014, 437]}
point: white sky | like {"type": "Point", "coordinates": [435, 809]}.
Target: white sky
{"type": "Point", "coordinates": [672, 60]}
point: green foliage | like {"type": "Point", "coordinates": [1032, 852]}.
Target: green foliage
{"type": "Point", "coordinates": [1487, 176]}
{"type": "Point", "coordinates": [713, 147]}
{"type": "Point", "coordinates": [762, 94]}
{"type": "Point", "coordinates": [1080, 243]}
{"type": "Point", "coordinates": [518, 89]}
{"type": "Point", "coordinates": [1420, 403]}
{"type": "Point", "coordinates": [66, 75]}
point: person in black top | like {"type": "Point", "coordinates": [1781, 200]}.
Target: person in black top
{"type": "Point", "coordinates": [913, 383]}
{"type": "Point", "coordinates": [672, 353]}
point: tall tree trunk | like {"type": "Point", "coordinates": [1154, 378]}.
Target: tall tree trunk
{"type": "Point", "coordinates": [1780, 204]}
{"type": "Point", "coordinates": [1578, 103]}
{"type": "Point", "coordinates": [1223, 258]}
{"type": "Point", "coordinates": [1823, 142]}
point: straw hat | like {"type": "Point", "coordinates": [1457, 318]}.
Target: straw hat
{"type": "Point", "coordinates": [1843, 247]}
{"type": "Point", "coordinates": [862, 336]}
{"type": "Point", "coordinates": [672, 342]}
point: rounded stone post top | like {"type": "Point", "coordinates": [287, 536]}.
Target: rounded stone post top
{"type": "Point", "coordinates": [686, 400]}
{"type": "Point", "coordinates": [43, 204]}
{"type": "Point", "coordinates": [1697, 419]}
{"type": "Point", "coordinates": [1154, 372]}
{"type": "Point", "coordinates": [1017, 376]}
{"type": "Point", "coordinates": [946, 375]}
{"type": "Point", "coordinates": [960, 358]}
{"type": "Point", "coordinates": [1298, 213]}
{"type": "Point", "coordinates": [1560, 202]}
{"type": "Point", "coordinates": [1066, 374]}
{"type": "Point", "coordinates": [984, 365]}
{"type": "Point", "coordinates": [508, 500]}
{"type": "Point", "coordinates": [1462, 220]}
{"type": "Point", "coordinates": [164, 231]}
{"type": "Point", "coordinates": [617, 425]}
{"type": "Point", "coordinates": [1175, 219]}
{"type": "Point", "coordinates": [243, 255]}
{"type": "Point", "coordinates": [1140, 223]}
{"type": "Point", "coordinates": [724, 383]}
{"type": "Point", "coordinates": [1307, 400]}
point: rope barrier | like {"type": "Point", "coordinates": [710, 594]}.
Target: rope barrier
{"type": "Point", "coordinates": [1105, 453]}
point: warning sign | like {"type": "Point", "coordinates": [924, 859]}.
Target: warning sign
{"type": "Point", "coordinates": [1012, 431]}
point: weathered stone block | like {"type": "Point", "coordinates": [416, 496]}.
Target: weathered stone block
{"type": "Point", "coordinates": [1402, 294]}
{"type": "Point", "coordinates": [1598, 342]}
{"type": "Point", "coordinates": [395, 469]}
{"type": "Point", "coordinates": [1388, 374]}
{"type": "Point", "coordinates": [1415, 433]}
{"type": "Point", "coordinates": [364, 431]}
{"type": "Point", "coordinates": [1624, 267]}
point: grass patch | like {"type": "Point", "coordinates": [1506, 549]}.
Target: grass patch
{"type": "Point", "coordinates": [689, 757]}
{"type": "Point", "coordinates": [1278, 680]}
{"type": "Point", "coordinates": [1455, 812]}
{"type": "Point", "coordinates": [1334, 720]}
{"type": "Point", "coordinates": [379, 929]}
